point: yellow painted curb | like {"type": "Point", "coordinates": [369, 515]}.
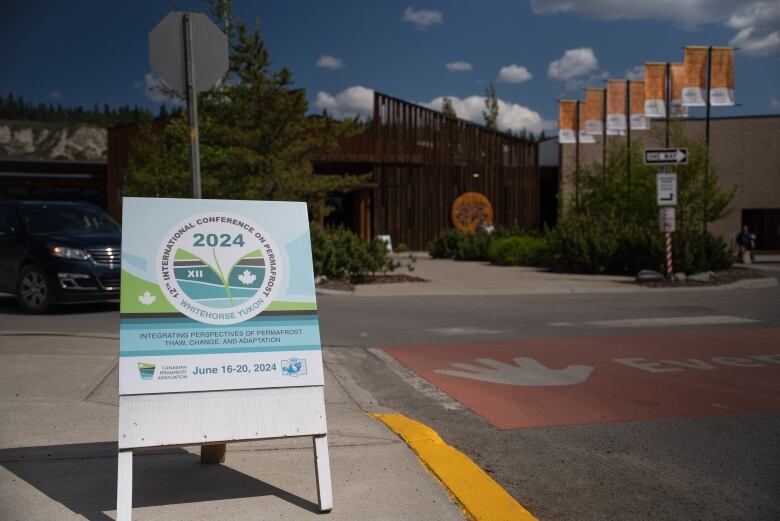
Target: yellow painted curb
{"type": "Point", "coordinates": [480, 496]}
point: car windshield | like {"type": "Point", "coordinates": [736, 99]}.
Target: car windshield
{"type": "Point", "coordinates": [72, 219]}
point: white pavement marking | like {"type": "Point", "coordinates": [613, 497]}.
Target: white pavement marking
{"type": "Point", "coordinates": [424, 386]}
{"type": "Point", "coordinates": [563, 324]}
{"type": "Point", "coordinates": [467, 331]}
{"type": "Point", "coordinates": [526, 372]}
{"type": "Point", "coordinates": [672, 321]}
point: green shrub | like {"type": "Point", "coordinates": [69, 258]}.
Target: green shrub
{"type": "Point", "coordinates": [518, 251]}
{"type": "Point", "coordinates": [473, 246]}
{"type": "Point", "coordinates": [696, 251]}
{"type": "Point", "coordinates": [339, 254]}
{"type": "Point", "coordinates": [583, 244]}
{"type": "Point", "coordinates": [445, 246]}
{"type": "Point", "coordinates": [454, 244]}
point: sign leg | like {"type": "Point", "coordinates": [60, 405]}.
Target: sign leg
{"type": "Point", "coordinates": [322, 469]}
{"type": "Point", "coordinates": [124, 486]}
{"type": "Point", "coordinates": [212, 454]}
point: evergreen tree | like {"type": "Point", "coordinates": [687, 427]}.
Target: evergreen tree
{"type": "Point", "coordinates": [256, 140]}
{"type": "Point", "coordinates": [491, 107]}
{"type": "Point", "coordinates": [447, 109]}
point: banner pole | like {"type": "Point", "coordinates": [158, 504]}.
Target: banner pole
{"type": "Point", "coordinates": [577, 156]}
{"type": "Point", "coordinates": [604, 135]}
{"type": "Point", "coordinates": [628, 134]}
{"type": "Point", "coordinates": [707, 137]}
{"type": "Point", "coordinates": [667, 99]}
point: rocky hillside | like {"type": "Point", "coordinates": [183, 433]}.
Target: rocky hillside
{"type": "Point", "coordinates": [36, 140]}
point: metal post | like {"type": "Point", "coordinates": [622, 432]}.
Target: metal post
{"type": "Point", "coordinates": [628, 134]}
{"type": "Point", "coordinates": [577, 157]}
{"type": "Point", "coordinates": [192, 107]}
{"type": "Point", "coordinates": [668, 99]}
{"type": "Point", "coordinates": [707, 136]}
{"type": "Point", "coordinates": [604, 135]}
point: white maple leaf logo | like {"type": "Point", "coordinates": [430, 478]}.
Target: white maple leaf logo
{"type": "Point", "coordinates": [247, 277]}
{"type": "Point", "coordinates": [146, 299]}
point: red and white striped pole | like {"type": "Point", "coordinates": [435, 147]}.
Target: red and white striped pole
{"type": "Point", "coordinates": [669, 267]}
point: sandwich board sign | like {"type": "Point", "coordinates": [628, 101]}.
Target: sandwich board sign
{"type": "Point", "coordinates": [219, 336]}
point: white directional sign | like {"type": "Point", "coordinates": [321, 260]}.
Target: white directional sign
{"type": "Point", "coordinates": [666, 156]}
{"type": "Point", "coordinates": [666, 219]}
{"type": "Point", "coordinates": [666, 189]}
{"type": "Point", "coordinates": [209, 51]}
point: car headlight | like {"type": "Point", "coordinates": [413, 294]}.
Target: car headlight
{"type": "Point", "coordinates": [69, 253]}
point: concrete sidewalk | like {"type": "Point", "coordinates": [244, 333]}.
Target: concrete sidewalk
{"type": "Point", "coordinates": [58, 401]}
{"type": "Point", "coordinates": [449, 277]}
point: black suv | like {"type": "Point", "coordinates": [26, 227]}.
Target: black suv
{"type": "Point", "coordinates": [58, 252]}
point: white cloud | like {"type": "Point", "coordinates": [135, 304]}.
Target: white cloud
{"type": "Point", "coordinates": [359, 100]}
{"type": "Point", "coordinates": [511, 116]}
{"type": "Point", "coordinates": [326, 61]}
{"type": "Point", "coordinates": [573, 63]}
{"type": "Point", "coordinates": [774, 103]}
{"type": "Point", "coordinates": [423, 18]}
{"type": "Point", "coordinates": [635, 73]}
{"type": "Point", "coordinates": [757, 21]}
{"type": "Point", "coordinates": [594, 79]}
{"type": "Point", "coordinates": [55, 94]}
{"type": "Point", "coordinates": [156, 90]}
{"type": "Point", "coordinates": [351, 102]}
{"type": "Point", "coordinates": [458, 66]}
{"type": "Point", "coordinates": [514, 74]}
{"type": "Point", "coordinates": [759, 28]}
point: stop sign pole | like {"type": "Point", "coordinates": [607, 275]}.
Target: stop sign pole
{"type": "Point", "coordinates": [190, 54]}
{"type": "Point", "coordinates": [192, 107]}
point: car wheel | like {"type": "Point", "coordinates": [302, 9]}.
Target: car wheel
{"type": "Point", "coordinates": [33, 290]}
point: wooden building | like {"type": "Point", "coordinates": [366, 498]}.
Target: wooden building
{"type": "Point", "coordinates": [420, 161]}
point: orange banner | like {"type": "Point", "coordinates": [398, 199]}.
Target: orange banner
{"type": "Point", "coordinates": [655, 90]}
{"type": "Point", "coordinates": [695, 85]}
{"type": "Point", "coordinates": [584, 137]}
{"type": "Point", "coordinates": [616, 105]}
{"type": "Point", "coordinates": [593, 115]}
{"type": "Point", "coordinates": [636, 90]}
{"type": "Point", "coordinates": [722, 76]}
{"type": "Point", "coordinates": [567, 115]}
{"type": "Point", "coordinates": [677, 74]}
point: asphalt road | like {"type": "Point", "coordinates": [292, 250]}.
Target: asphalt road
{"type": "Point", "coordinates": [697, 440]}
{"type": "Point", "coordinates": [677, 457]}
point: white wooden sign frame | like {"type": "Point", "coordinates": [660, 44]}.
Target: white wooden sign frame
{"type": "Point", "coordinates": [181, 419]}
{"type": "Point", "coordinates": [265, 380]}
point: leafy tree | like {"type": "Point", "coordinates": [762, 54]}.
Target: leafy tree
{"type": "Point", "coordinates": [613, 227]}
{"type": "Point", "coordinates": [256, 141]}
{"type": "Point", "coordinates": [447, 108]}
{"type": "Point", "coordinates": [491, 108]}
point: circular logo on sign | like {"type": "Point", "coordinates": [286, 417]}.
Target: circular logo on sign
{"type": "Point", "coordinates": [218, 268]}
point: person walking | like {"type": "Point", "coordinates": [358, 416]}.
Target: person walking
{"type": "Point", "coordinates": [747, 243]}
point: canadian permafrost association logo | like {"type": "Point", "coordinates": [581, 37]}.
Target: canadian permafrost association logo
{"type": "Point", "coordinates": [218, 268]}
{"type": "Point", "coordinates": [146, 370]}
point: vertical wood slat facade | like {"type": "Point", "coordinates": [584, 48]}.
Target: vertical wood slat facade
{"type": "Point", "coordinates": [423, 160]}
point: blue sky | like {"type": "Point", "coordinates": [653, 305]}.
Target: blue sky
{"type": "Point", "coordinates": [88, 51]}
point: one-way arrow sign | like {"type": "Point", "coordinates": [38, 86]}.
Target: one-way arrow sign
{"type": "Point", "coordinates": [666, 156]}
